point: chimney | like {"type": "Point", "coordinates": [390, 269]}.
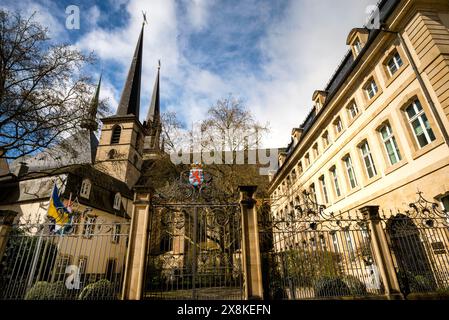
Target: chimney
{"type": "Point", "coordinates": [21, 170]}
{"type": "Point", "coordinates": [4, 167]}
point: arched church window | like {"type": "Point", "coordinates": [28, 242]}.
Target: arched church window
{"type": "Point", "coordinates": [116, 131]}
{"type": "Point", "coordinates": [117, 201]}
{"type": "Point", "coordinates": [85, 188]}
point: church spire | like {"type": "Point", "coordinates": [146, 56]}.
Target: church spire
{"type": "Point", "coordinates": [154, 112]}
{"type": "Point", "coordinates": [90, 122]}
{"type": "Point", "coordinates": [130, 99]}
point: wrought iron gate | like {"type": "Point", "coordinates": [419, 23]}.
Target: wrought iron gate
{"type": "Point", "coordinates": [419, 244]}
{"type": "Point", "coordinates": [194, 245]}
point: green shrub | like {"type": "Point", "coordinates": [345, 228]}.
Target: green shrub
{"type": "Point", "coordinates": [100, 290]}
{"type": "Point", "coordinates": [47, 291]}
{"type": "Point", "coordinates": [356, 287]}
{"type": "Point", "coordinates": [329, 286]}
{"type": "Point", "coordinates": [420, 283]}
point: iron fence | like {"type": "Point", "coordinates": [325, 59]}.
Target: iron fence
{"type": "Point", "coordinates": [307, 259]}
{"type": "Point", "coordinates": [86, 262]}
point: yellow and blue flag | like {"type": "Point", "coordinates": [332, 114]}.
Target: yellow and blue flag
{"type": "Point", "coordinates": [57, 210]}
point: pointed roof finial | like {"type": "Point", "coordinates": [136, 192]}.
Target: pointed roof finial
{"type": "Point", "coordinates": [144, 17]}
{"type": "Point", "coordinates": [90, 122]}
{"type": "Point", "coordinates": [153, 115]}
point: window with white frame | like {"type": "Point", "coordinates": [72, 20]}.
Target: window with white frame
{"type": "Point", "coordinates": [325, 138]}
{"type": "Point", "coordinates": [89, 226]}
{"type": "Point", "coordinates": [63, 261]}
{"type": "Point", "coordinates": [117, 201]}
{"type": "Point", "coordinates": [85, 188]}
{"type": "Point", "coordinates": [116, 229]}
{"type": "Point", "coordinates": [420, 124]}
{"type": "Point", "coordinates": [313, 192]}
{"type": "Point", "coordinates": [357, 46]}
{"type": "Point", "coordinates": [338, 125]}
{"type": "Point", "coordinates": [335, 241]}
{"type": "Point", "coordinates": [349, 244]}
{"type": "Point", "coordinates": [368, 160]}
{"type": "Point", "coordinates": [307, 160]}
{"type": "Point", "coordinates": [324, 188]}
{"type": "Point", "coordinates": [445, 203]}
{"type": "Point", "coordinates": [394, 63]}
{"type": "Point", "coordinates": [389, 141]}
{"type": "Point", "coordinates": [353, 110]}
{"type": "Point", "coordinates": [334, 176]}
{"type": "Point", "coordinates": [315, 150]}
{"type": "Point", "coordinates": [350, 171]}
{"type": "Point", "coordinates": [371, 89]}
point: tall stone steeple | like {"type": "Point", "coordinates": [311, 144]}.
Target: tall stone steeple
{"type": "Point", "coordinates": [130, 99]}
{"type": "Point", "coordinates": [90, 120]}
{"type": "Point", "coordinates": [153, 121]}
{"type": "Point", "coordinates": [120, 150]}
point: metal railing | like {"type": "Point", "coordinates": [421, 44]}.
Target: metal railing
{"type": "Point", "coordinates": [87, 263]}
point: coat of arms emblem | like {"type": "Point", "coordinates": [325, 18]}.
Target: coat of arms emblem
{"type": "Point", "coordinates": [196, 175]}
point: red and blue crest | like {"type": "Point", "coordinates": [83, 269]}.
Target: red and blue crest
{"type": "Point", "coordinates": [196, 177]}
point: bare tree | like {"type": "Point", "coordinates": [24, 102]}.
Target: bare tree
{"type": "Point", "coordinates": [172, 131]}
{"type": "Point", "coordinates": [44, 93]}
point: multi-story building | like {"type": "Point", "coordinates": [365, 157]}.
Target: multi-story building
{"type": "Point", "coordinates": [378, 132]}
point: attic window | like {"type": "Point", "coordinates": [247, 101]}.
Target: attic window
{"type": "Point", "coordinates": [357, 46]}
{"type": "Point", "coordinates": [117, 201]}
{"type": "Point", "coordinates": [85, 188]}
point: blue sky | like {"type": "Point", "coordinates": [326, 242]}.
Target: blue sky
{"type": "Point", "coordinates": [271, 53]}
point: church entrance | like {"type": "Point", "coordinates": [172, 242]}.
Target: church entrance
{"type": "Point", "coordinates": [194, 245]}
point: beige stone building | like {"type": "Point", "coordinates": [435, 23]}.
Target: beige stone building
{"type": "Point", "coordinates": [376, 136]}
{"type": "Point", "coordinates": [378, 132]}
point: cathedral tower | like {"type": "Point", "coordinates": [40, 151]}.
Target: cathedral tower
{"type": "Point", "coordinates": [153, 125]}
{"type": "Point", "coordinates": [119, 152]}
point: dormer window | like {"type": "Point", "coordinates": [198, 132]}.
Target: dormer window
{"type": "Point", "coordinates": [371, 89]}
{"type": "Point", "coordinates": [357, 46]}
{"type": "Point", "coordinates": [117, 201]}
{"type": "Point", "coordinates": [85, 188]}
{"type": "Point", "coordinates": [357, 38]}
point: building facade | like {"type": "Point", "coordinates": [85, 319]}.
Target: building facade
{"type": "Point", "coordinates": [377, 134]}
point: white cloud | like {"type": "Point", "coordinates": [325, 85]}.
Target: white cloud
{"type": "Point", "coordinates": [198, 13]}
{"type": "Point", "coordinates": [301, 50]}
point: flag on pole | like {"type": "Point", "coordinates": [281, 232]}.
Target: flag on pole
{"type": "Point", "coordinates": [57, 211]}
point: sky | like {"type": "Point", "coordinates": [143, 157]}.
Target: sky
{"type": "Point", "coordinates": [271, 54]}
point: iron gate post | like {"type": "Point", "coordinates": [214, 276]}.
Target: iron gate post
{"type": "Point", "coordinates": [381, 253]}
{"type": "Point", "coordinates": [137, 247]}
{"type": "Point", "coordinates": [252, 267]}
{"type": "Point", "coordinates": [6, 219]}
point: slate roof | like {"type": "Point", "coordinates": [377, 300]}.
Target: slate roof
{"type": "Point", "coordinates": [38, 185]}
{"type": "Point", "coordinates": [345, 68]}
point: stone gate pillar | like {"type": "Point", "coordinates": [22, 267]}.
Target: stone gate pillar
{"type": "Point", "coordinates": [137, 246]}
{"type": "Point", "coordinates": [381, 253]}
{"type": "Point", "coordinates": [251, 261]}
{"type": "Point", "coordinates": [6, 219]}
